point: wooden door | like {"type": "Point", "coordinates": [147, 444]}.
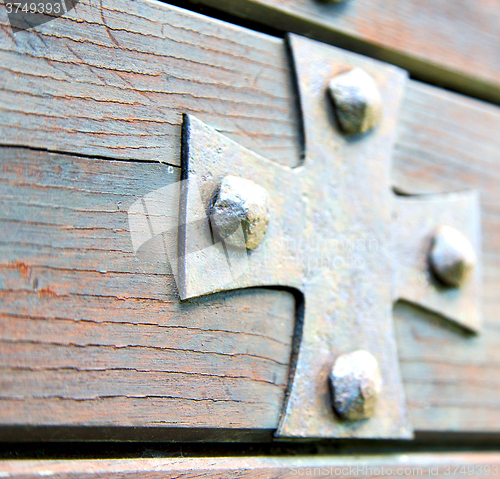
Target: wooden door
{"type": "Point", "coordinates": [96, 344]}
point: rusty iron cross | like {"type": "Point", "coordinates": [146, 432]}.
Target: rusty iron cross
{"type": "Point", "coordinates": [341, 236]}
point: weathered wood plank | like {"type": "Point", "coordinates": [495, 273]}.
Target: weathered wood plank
{"type": "Point", "coordinates": [91, 334]}
{"type": "Point", "coordinates": [113, 79]}
{"type": "Point", "coordinates": [452, 44]}
{"type": "Point", "coordinates": [484, 465]}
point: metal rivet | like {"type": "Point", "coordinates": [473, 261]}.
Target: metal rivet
{"type": "Point", "coordinates": [452, 256]}
{"type": "Point", "coordinates": [357, 101]}
{"type": "Point", "coordinates": [241, 202]}
{"type": "Point", "coordinates": [356, 384]}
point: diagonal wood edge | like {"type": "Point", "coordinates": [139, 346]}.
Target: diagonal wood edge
{"type": "Point", "coordinates": [426, 39]}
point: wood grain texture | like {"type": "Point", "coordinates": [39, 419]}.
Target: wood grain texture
{"type": "Point", "coordinates": [112, 78]}
{"type": "Point", "coordinates": [91, 334]}
{"type": "Point", "coordinates": [452, 44]}
{"type": "Point", "coordinates": [480, 465]}
{"type": "Point", "coordinates": [94, 336]}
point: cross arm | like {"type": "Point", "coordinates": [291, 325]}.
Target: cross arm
{"type": "Point", "coordinates": [206, 265]}
{"type": "Point", "coordinates": [415, 222]}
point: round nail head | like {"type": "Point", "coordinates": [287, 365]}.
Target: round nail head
{"type": "Point", "coordinates": [356, 384]}
{"type": "Point", "coordinates": [452, 256]}
{"type": "Point", "coordinates": [240, 213]}
{"type": "Point", "coordinates": [357, 100]}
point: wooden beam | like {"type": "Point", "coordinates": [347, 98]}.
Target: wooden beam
{"type": "Point", "coordinates": [452, 45]}
{"type": "Point", "coordinates": [91, 334]}
{"type": "Point", "coordinates": [113, 78]}
{"type": "Point", "coordinates": [408, 465]}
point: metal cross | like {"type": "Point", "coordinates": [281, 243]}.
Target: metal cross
{"type": "Point", "coordinates": [341, 236]}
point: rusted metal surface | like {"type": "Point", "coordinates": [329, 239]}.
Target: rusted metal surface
{"type": "Point", "coordinates": [416, 221]}
{"type": "Point", "coordinates": [339, 235]}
